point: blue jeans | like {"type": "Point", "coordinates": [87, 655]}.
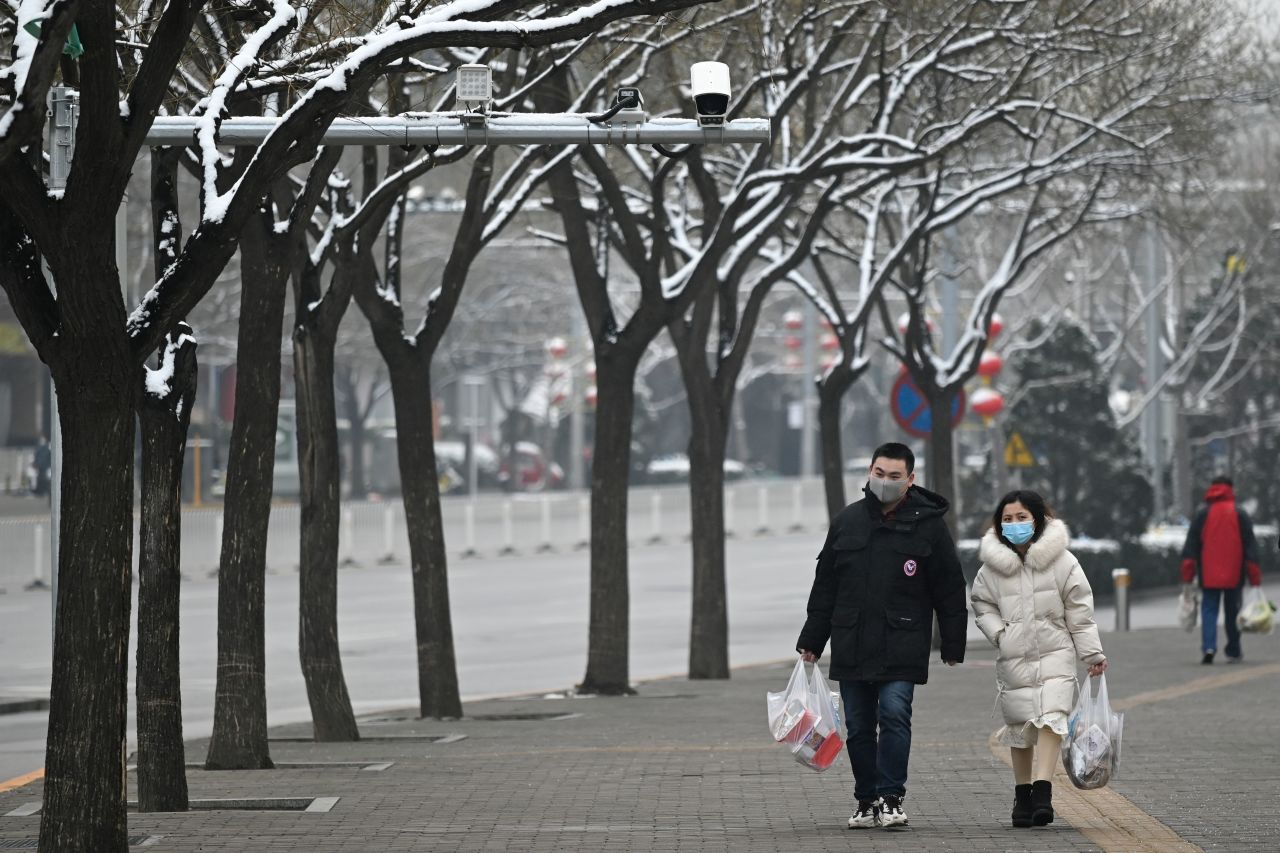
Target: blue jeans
{"type": "Point", "coordinates": [1230, 599]}
{"type": "Point", "coordinates": [879, 764]}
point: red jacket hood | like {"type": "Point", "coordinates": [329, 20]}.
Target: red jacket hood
{"type": "Point", "coordinates": [1220, 492]}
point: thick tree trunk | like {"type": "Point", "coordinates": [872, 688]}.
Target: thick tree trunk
{"type": "Point", "coordinates": [608, 635]}
{"type": "Point", "coordinates": [359, 487]}
{"type": "Point", "coordinates": [356, 434]}
{"type": "Point", "coordinates": [162, 777]}
{"type": "Point", "coordinates": [84, 802]}
{"type": "Point", "coordinates": [239, 739]}
{"type": "Point", "coordinates": [940, 473]}
{"type": "Point", "coordinates": [830, 397]}
{"type": "Point", "coordinates": [709, 628]}
{"type": "Point", "coordinates": [438, 694]}
{"type": "Point", "coordinates": [331, 714]}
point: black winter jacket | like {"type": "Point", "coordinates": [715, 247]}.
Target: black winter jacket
{"type": "Point", "coordinates": [877, 585]}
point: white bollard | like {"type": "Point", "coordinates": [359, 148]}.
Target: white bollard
{"type": "Point", "coordinates": [655, 518]}
{"type": "Point", "coordinates": [728, 513]}
{"type": "Point", "coordinates": [37, 568]}
{"type": "Point", "coordinates": [508, 537]}
{"type": "Point", "coordinates": [545, 508]}
{"type": "Point", "coordinates": [347, 540]}
{"type": "Point", "coordinates": [469, 529]}
{"type": "Point", "coordinates": [762, 511]}
{"type": "Point", "coordinates": [584, 525]}
{"type": "Point", "coordinates": [797, 508]}
{"type": "Point", "coordinates": [388, 535]}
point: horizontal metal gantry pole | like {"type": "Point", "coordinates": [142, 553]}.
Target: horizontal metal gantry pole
{"type": "Point", "coordinates": [450, 129]}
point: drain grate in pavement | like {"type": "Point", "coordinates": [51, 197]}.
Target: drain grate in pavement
{"type": "Point", "coordinates": [33, 843]}
{"type": "Point", "coordinates": [283, 804]}
{"type": "Point", "coordinates": [370, 766]}
{"type": "Point", "coordinates": [536, 717]}
{"type": "Point", "coordinates": [259, 804]}
{"type": "Point", "coordinates": [452, 738]}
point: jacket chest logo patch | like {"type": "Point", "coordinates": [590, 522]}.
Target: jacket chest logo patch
{"type": "Point", "coordinates": [909, 568]}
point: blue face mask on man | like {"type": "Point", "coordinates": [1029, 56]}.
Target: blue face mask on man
{"type": "Point", "coordinates": [1018, 532]}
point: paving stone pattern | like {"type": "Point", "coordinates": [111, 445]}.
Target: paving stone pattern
{"type": "Point", "coordinates": [690, 766]}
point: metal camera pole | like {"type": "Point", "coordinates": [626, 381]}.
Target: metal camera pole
{"type": "Point", "coordinates": [64, 116]}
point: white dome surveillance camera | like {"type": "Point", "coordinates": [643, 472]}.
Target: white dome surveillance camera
{"type": "Point", "coordinates": [710, 84]}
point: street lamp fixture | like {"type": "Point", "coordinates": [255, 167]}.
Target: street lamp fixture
{"type": "Point", "coordinates": [473, 88]}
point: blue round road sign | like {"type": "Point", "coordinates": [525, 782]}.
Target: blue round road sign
{"type": "Point", "coordinates": [911, 408]}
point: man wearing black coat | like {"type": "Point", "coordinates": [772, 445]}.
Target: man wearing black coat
{"type": "Point", "coordinates": [889, 563]}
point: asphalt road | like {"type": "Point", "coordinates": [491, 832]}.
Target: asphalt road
{"type": "Point", "coordinates": [520, 624]}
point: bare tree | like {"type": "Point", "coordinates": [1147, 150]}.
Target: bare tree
{"type": "Point", "coordinates": [165, 404]}
{"type": "Point", "coordinates": [1063, 135]}
{"type": "Point", "coordinates": [94, 351]}
{"type": "Point", "coordinates": [164, 412]}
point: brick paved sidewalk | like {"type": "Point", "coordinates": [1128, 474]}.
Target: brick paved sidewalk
{"type": "Point", "coordinates": [690, 766]}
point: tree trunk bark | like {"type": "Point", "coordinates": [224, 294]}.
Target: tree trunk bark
{"type": "Point", "coordinates": [239, 739]}
{"type": "Point", "coordinates": [359, 487]}
{"type": "Point", "coordinates": [84, 798]}
{"type": "Point", "coordinates": [941, 467]}
{"type": "Point", "coordinates": [830, 396]}
{"type": "Point", "coordinates": [438, 694]}
{"type": "Point", "coordinates": [709, 629]}
{"type": "Point", "coordinates": [608, 635]}
{"type": "Point", "coordinates": [162, 776]}
{"type": "Point", "coordinates": [331, 714]}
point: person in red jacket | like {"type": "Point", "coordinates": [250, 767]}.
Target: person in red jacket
{"type": "Point", "coordinates": [1219, 551]}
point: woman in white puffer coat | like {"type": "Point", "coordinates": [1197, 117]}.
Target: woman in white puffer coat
{"type": "Point", "coordinates": [1033, 602]}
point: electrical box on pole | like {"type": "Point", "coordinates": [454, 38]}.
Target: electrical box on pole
{"type": "Point", "coordinates": [64, 116]}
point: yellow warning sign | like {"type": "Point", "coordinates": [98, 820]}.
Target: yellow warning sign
{"type": "Point", "coordinates": [1017, 454]}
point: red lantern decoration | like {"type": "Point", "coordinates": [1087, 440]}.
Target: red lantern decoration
{"type": "Point", "coordinates": [987, 402]}
{"type": "Point", "coordinates": [995, 327]}
{"type": "Point", "coordinates": [591, 371]}
{"type": "Point", "coordinates": [556, 347]}
{"type": "Point", "coordinates": [791, 342]}
{"type": "Point", "coordinates": [793, 362]}
{"type": "Point", "coordinates": [591, 395]}
{"type": "Point", "coordinates": [793, 320]}
{"type": "Point", "coordinates": [990, 364]}
{"type": "Point", "coordinates": [830, 342]}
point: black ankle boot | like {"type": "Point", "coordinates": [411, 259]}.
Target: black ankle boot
{"type": "Point", "coordinates": [1022, 806]}
{"type": "Point", "coordinates": [1041, 802]}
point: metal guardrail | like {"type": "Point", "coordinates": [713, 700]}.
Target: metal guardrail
{"type": "Point", "coordinates": [493, 525]}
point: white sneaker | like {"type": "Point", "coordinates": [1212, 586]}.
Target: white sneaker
{"type": "Point", "coordinates": [891, 813]}
{"type": "Point", "coordinates": [867, 816]}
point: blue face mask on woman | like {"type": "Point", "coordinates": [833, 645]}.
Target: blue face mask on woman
{"type": "Point", "coordinates": [1018, 532]}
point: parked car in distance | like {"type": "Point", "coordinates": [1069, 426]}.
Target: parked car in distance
{"type": "Point", "coordinates": [674, 468]}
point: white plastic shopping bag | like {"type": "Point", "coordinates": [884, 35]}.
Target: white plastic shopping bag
{"type": "Point", "coordinates": [1189, 607]}
{"type": "Point", "coordinates": [1258, 614]}
{"type": "Point", "coordinates": [806, 718]}
{"type": "Point", "coordinates": [1091, 749]}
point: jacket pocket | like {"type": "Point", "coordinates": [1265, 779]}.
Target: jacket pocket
{"type": "Point", "coordinates": [913, 547]}
{"type": "Point", "coordinates": [850, 551]}
{"type": "Point", "coordinates": [907, 640]}
{"type": "Point", "coordinates": [844, 637]}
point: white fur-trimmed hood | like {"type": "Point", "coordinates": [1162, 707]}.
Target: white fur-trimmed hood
{"type": "Point", "coordinates": [1002, 559]}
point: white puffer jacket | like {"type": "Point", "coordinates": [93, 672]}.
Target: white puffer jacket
{"type": "Point", "coordinates": [1039, 614]}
